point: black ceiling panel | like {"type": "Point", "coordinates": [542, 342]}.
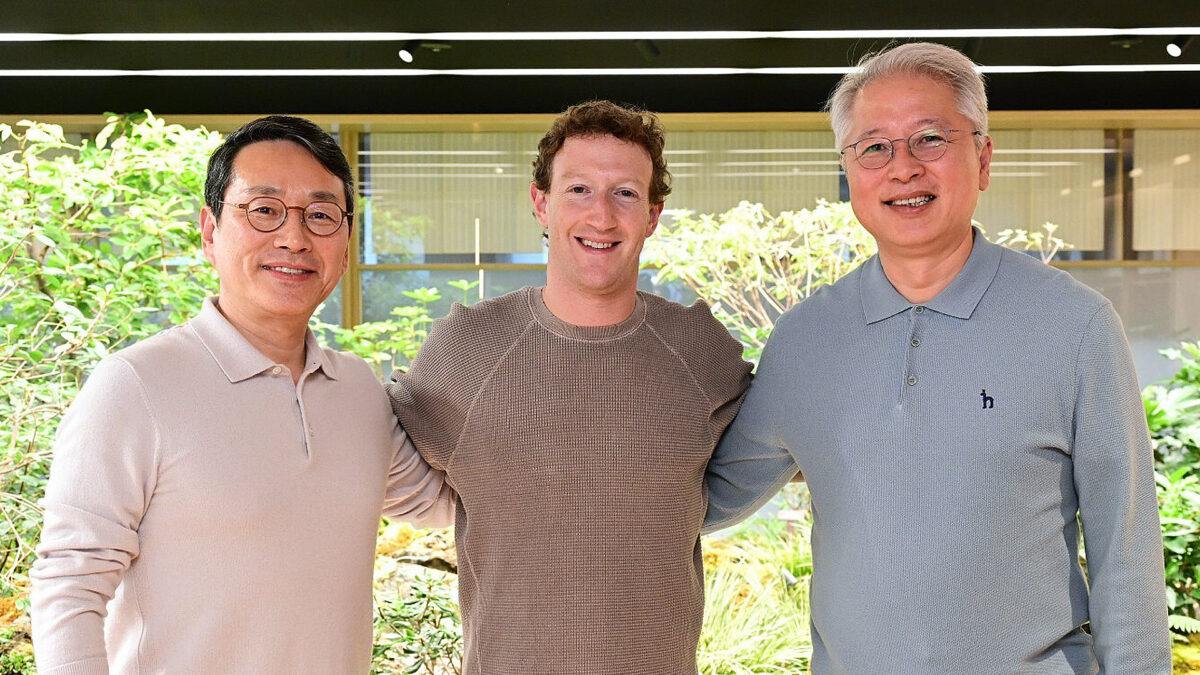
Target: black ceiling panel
{"type": "Point", "coordinates": [397, 94]}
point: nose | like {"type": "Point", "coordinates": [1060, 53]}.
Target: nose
{"type": "Point", "coordinates": [293, 235]}
{"type": "Point", "coordinates": [904, 167]}
{"type": "Point", "coordinates": [603, 214]}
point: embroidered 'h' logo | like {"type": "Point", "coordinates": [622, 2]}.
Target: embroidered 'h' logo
{"type": "Point", "coordinates": [988, 401]}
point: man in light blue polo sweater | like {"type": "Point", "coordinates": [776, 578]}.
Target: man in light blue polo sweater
{"type": "Point", "coordinates": [953, 406]}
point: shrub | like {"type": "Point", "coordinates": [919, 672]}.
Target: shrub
{"type": "Point", "coordinates": [751, 266]}
{"type": "Point", "coordinates": [1173, 415]}
{"type": "Point", "coordinates": [99, 250]}
{"type": "Point", "coordinates": [420, 631]}
{"type": "Point", "coordinates": [756, 602]}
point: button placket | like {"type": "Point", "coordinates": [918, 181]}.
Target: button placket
{"type": "Point", "coordinates": [914, 325]}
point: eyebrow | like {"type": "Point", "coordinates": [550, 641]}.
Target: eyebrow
{"type": "Point", "coordinates": [272, 191]}
{"type": "Point", "coordinates": [583, 177]}
{"type": "Point", "coordinates": [922, 124]}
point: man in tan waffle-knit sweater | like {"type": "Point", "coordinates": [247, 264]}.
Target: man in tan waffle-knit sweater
{"type": "Point", "coordinates": [575, 421]}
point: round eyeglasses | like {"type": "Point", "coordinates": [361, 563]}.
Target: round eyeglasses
{"type": "Point", "coordinates": [267, 214]}
{"type": "Point", "coordinates": [925, 145]}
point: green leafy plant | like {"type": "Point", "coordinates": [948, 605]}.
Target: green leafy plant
{"type": "Point", "coordinates": [1044, 242]}
{"type": "Point", "coordinates": [16, 652]}
{"type": "Point", "coordinates": [99, 249]}
{"type": "Point", "coordinates": [391, 341]}
{"type": "Point", "coordinates": [394, 341]}
{"type": "Point", "coordinates": [1179, 509]}
{"type": "Point", "coordinates": [420, 631]}
{"type": "Point", "coordinates": [1184, 624]}
{"type": "Point", "coordinates": [464, 286]}
{"type": "Point", "coordinates": [1173, 416]}
{"type": "Point", "coordinates": [1173, 411]}
{"type": "Point", "coordinates": [751, 266]}
{"type": "Point", "coordinates": [756, 601]}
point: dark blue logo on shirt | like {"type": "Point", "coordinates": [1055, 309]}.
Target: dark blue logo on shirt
{"type": "Point", "coordinates": [988, 401]}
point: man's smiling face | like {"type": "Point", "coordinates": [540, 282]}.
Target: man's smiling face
{"type": "Point", "coordinates": [278, 276]}
{"type": "Point", "coordinates": [597, 214]}
{"type": "Point", "coordinates": [909, 206]}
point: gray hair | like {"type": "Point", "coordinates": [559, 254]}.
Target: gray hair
{"type": "Point", "coordinates": [924, 59]}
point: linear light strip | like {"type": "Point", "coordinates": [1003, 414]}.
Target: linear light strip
{"type": "Point", "coordinates": [600, 35]}
{"type": "Point", "coordinates": [552, 72]}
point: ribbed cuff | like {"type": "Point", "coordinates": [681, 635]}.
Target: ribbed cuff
{"type": "Point", "coordinates": [96, 666]}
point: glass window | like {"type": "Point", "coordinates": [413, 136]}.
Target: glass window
{"type": "Point", "coordinates": [445, 197]}
{"type": "Point", "coordinates": [784, 170]}
{"type": "Point", "coordinates": [1166, 189]}
{"type": "Point", "coordinates": [1158, 307]}
{"type": "Point", "coordinates": [442, 197]}
{"type": "Point", "coordinates": [1048, 175]}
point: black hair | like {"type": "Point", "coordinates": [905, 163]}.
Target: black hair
{"type": "Point", "coordinates": [298, 130]}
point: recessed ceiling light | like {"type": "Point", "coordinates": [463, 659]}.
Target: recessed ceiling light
{"type": "Point", "coordinates": [408, 52]}
{"type": "Point", "coordinates": [1178, 45]}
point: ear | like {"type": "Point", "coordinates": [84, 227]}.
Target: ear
{"type": "Point", "coordinates": [208, 226]}
{"type": "Point", "coordinates": [985, 164]}
{"type": "Point", "coordinates": [655, 213]}
{"type": "Point", "coordinates": [539, 204]}
{"type": "Point", "coordinates": [345, 257]}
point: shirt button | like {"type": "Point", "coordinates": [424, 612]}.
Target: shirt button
{"type": "Point", "coordinates": [276, 370]}
{"type": "Point", "coordinates": [912, 379]}
{"type": "Point", "coordinates": [919, 309]}
{"type": "Point", "coordinates": [916, 342]}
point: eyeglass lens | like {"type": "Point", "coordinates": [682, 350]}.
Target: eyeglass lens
{"type": "Point", "coordinates": [925, 145]}
{"type": "Point", "coordinates": [268, 213]}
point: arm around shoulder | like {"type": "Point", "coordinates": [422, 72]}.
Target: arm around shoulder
{"type": "Point", "coordinates": [416, 491]}
{"type": "Point", "coordinates": [751, 463]}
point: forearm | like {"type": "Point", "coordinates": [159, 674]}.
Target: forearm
{"type": "Point", "coordinates": [72, 582]}
{"type": "Point", "coordinates": [743, 474]}
{"type": "Point", "coordinates": [416, 491]}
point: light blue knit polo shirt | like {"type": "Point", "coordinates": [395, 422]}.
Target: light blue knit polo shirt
{"type": "Point", "coordinates": [948, 447]}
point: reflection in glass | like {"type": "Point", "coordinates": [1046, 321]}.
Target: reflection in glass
{"type": "Point", "coordinates": [1047, 175]}
{"type": "Point", "coordinates": [1159, 306]}
{"type": "Point", "coordinates": [1166, 189]}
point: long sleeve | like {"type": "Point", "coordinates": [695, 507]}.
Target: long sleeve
{"type": "Point", "coordinates": [1114, 479]}
{"type": "Point", "coordinates": [100, 484]}
{"type": "Point", "coordinates": [432, 399]}
{"type": "Point", "coordinates": [417, 492]}
{"type": "Point", "coordinates": [715, 361]}
{"type": "Point", "coordinates": [751, 463]}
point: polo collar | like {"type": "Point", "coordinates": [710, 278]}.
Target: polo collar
{"type": "Point", "coordinates": [239, 359]}
{"type": "Point", "coordinates": [881, 300]}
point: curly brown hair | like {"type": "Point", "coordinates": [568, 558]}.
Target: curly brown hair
{"type": "Point", "coordinates": [605, 118]}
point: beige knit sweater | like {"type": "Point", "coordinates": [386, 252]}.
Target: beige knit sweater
{"type": "Point", "coordinates": [206, 515]}
{"type": "Point", "coordinates": [579, 456]}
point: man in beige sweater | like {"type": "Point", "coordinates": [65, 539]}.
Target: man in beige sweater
{"type": "Point", "coordinates": [575, 421]}
{"type": "Point", "coordinates": [216, 489]}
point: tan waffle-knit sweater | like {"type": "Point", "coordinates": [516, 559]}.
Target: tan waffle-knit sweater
{"type": "Point", "coordinates": [579, 456]}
